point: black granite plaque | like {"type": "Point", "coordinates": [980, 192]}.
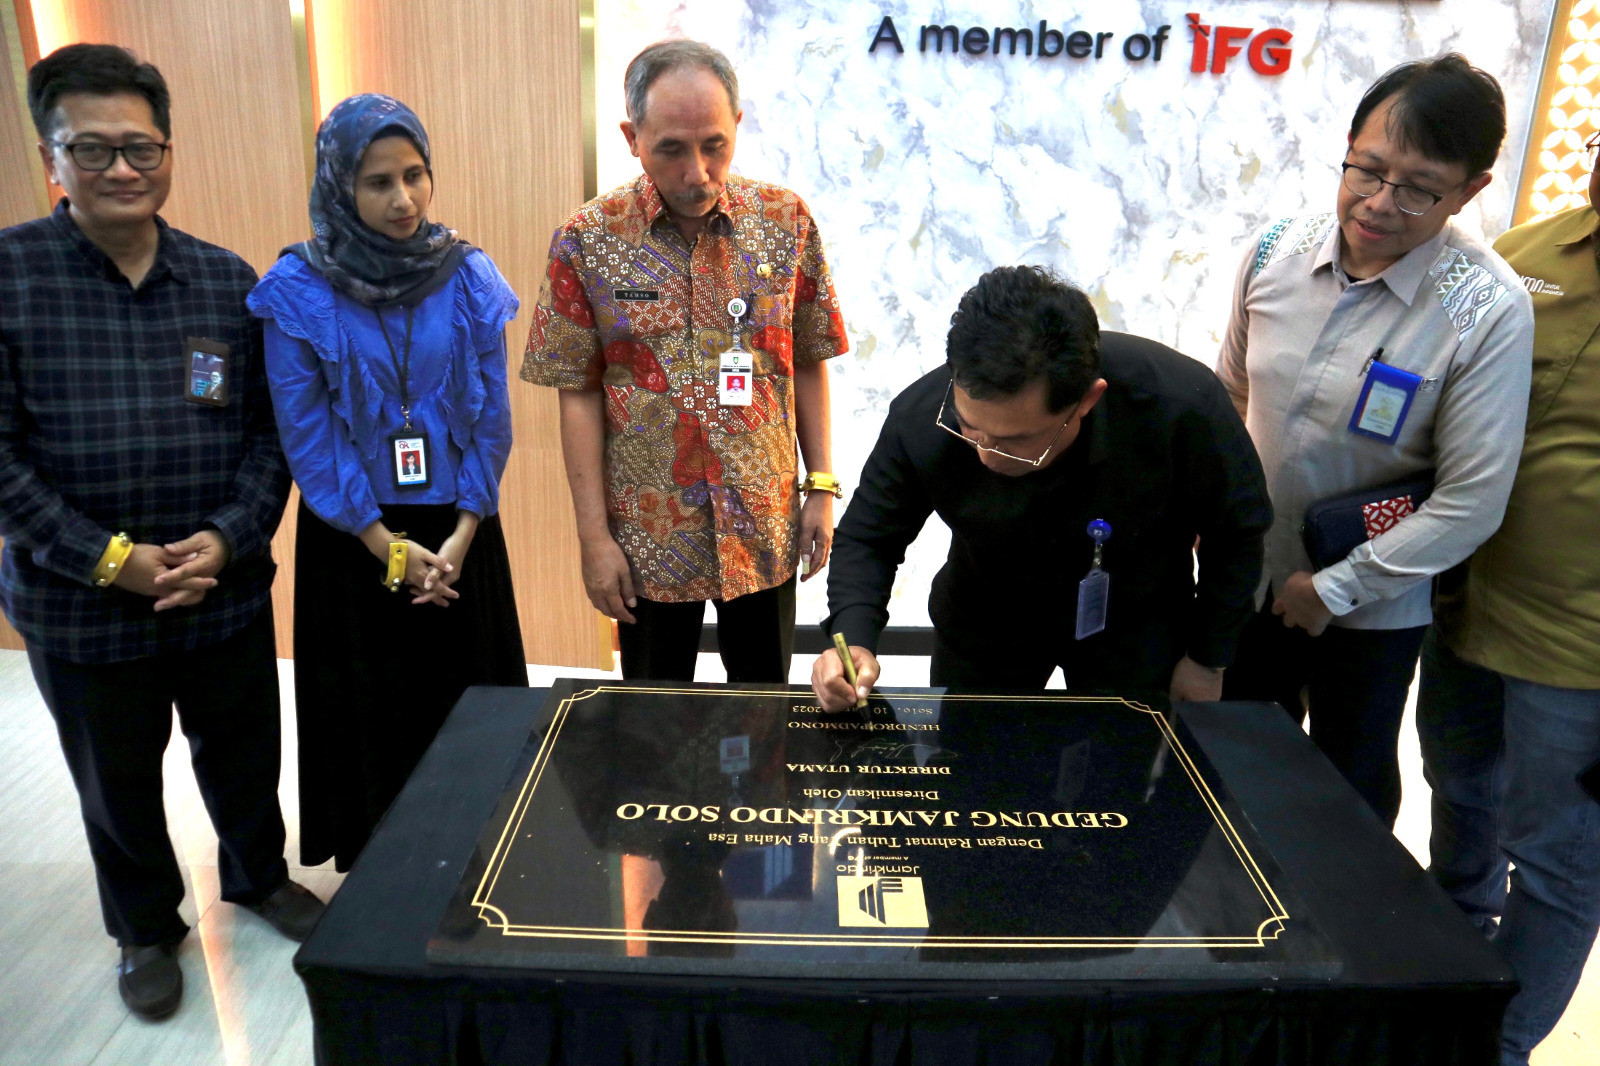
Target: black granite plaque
{"type": "Point", "coordinates": [742, 830]}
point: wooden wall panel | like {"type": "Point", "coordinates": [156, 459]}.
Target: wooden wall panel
{"type": "Point", "coordinates": [496, 82]}
{"type": "Point", "coordinates": [22, 195]}
{"type": "Point", "coordinates": [239, 145]}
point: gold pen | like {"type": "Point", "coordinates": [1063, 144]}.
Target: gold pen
{"type": "Point", "coordinates": [849, 666]}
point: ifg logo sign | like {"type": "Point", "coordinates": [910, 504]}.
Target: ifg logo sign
{"type": "Point", "coordinates": [1268, 51]}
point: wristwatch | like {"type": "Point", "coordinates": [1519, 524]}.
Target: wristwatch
{"type": "Point", "coordinates": [815, 482]}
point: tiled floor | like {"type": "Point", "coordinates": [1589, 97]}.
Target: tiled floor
{"type": "Point", "coordinates": [243, 1006]}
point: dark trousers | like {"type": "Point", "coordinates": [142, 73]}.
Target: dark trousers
{"type": "Point", "coordinates": [960, 671]}
{"type": "Point", "coordinates": [755, 634]}
{"type": "Point", "coordinates": [115, 719]}
{"type": "Point", "coordinates": [1352, 681]}
{"type": "Point", "coordinates": [1129, 663]}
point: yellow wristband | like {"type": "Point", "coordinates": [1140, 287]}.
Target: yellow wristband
{"type": "Point", "coordinates": [111, 560]}
{"type": "Point", "coordinates": [822, 483]}
{"type": "Point", "coordinates": [397, 564]}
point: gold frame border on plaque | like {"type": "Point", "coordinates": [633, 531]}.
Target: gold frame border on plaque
{"type": "Point", "coordinates": [1269, 928]}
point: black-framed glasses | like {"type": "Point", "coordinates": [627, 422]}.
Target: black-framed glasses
{"type": "Point", "coordinates": [95, 157]}
{"type": "Point", "coordinates": [939, 420]}
{"type": "Point", "coordinates": [1408, 198]}
{"type": "Point", "coordinates": [1593, 142]}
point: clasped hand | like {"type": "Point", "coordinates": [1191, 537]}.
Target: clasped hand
{"type": "Point", "coordinates": [175, 575]}
{"type": "Point", "coordinates": [431, 575]}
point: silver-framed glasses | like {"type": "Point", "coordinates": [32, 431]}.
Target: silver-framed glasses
{"type": "Point", "coordinates": [955, 431]}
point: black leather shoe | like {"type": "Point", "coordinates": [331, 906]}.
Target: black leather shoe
{"type": "Point", "coordinates": [292, 910]}
{"type": "Point", "coordinates": [150, 980]}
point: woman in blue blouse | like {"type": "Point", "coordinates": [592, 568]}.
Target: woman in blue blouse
{"type": "Point", "coordinates": [385, 350]}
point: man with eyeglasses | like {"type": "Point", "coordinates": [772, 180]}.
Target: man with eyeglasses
{"type": "Point", "coordinates": [1368, 346]}
{"type": "Point", "coordinates": [1055, 452]}
{"type": "Point", "coordinates": [1508, 709]}
{"type": "Point", "coordinates": [138, 516]}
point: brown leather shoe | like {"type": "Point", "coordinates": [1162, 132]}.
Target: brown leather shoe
{"type": "Point", "coordinates": [292, 910]}
{"type": "Point", "coordinates": [150, 979]}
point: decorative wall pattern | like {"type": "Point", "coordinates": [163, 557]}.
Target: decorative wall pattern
{"type": "Point", "coordinates": [1556, 174]}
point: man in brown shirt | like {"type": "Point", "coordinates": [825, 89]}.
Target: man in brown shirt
{"type": "Point", "coordinates": [685, 316]}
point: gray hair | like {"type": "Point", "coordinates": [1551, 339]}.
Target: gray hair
{"type": "Point", "coordinates": [665, 56]}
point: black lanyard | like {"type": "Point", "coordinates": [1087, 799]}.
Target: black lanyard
{"type": "Point", "coordinates": [402, 364]}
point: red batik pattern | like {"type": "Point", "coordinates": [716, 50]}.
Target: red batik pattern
{"type": "Point", "coordinates": [777, 342]}
{"type": "Point", "coordinates": [567, 296]}
{"type": "Point", "coordinates": [1384, 515]}
{"type": "Point", "coordinates": [641, 361]}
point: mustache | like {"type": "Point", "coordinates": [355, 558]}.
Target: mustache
{"type": "Point", "coordinates": [698, 194]}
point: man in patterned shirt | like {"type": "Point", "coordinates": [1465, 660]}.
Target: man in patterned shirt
{"type": "Point", "coordinates": [1367, 346]}
{"type": "Point", "coordinates": [137, 517]}
{"type": "Point", "coordinates": [685, 317]}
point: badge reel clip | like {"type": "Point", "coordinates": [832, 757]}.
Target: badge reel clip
{"type": "Point", "coordinates": [736, 370]}
{"type": "Point", "coordinates": [1094, 591]}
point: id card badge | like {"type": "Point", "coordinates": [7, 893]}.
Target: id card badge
{"type": "Point", "coordinates": [734, 377]}
{"type": "Point", "coordinates": [736, 370]}
{"type": "Point", "coordinates": [408, 451]}
{"type": "Point", "coordinates": [1094, 591]}
{"type": "Point", "coordinates": [207, 381]}
{"type": "Point", "coordinates": [1384, 402]}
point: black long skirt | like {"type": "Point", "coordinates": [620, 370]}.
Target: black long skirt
{"type": "Point", "coordinates": [375, 676]}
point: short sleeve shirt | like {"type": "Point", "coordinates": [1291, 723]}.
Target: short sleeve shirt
{"type": "Point", "coordinates": [701, 497]}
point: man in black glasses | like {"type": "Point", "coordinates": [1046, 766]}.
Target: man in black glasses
{"type": "Point", "coordinates": [1374, 345]}
{"type": "Point", "coordinates": [1076, 471]}
{"type": "Point", "coordinates": [138, 511]}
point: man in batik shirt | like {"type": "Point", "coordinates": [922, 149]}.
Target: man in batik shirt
{"type": "Point", "coordinates": [685, 317]}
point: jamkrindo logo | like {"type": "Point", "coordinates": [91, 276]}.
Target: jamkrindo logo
{"type": "Point", "coordinates": [882, 902]}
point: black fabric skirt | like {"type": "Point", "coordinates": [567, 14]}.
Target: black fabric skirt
{"type": "Point", "coordinates": [375, 676]}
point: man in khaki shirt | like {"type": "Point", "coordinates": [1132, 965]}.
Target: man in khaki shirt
{"type": "Point", "coordinates": [1509, 711]}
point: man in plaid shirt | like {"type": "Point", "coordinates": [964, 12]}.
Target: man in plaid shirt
{"type": "Point", "coordinates": [138, 511]}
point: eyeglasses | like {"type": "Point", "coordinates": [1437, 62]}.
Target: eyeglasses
{"type": "Point", "coordinates": [1408, 198]}
{"type": "Point", "coordinates": [94, 157]}
{"type": "Point", "coordinates": [1593, 142]}
{"type": "Point", "coordinates": [939, 420]}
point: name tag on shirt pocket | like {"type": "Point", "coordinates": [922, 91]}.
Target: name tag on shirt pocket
{"type": "Point", "coordinates": [207, 380]}
{"type": "Point", "coordinates": [637, 295]}
{"type": "Point", "coordinates": [1385, 400]}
